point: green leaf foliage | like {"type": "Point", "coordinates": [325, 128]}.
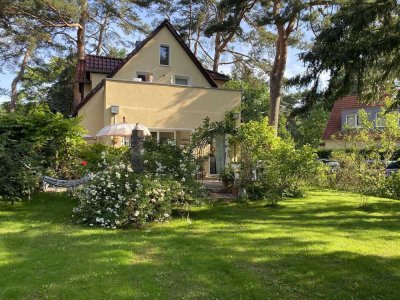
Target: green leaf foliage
{"type": "Point", "coordinates": [359, 50]}
{"type": "Point", "coordinates": [255, 98]}
{"type": "Point", "coordinates": [32, 142]}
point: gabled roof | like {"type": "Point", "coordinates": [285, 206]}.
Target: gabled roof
{"type": "Point", "coordinates": [165, 23]}
{"type": "Point", "coordinates": [334, 124]}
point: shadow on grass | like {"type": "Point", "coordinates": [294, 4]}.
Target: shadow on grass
{"type": "Point", "coordinates": [224, 253]}
{"type": "Point", "coordinates": [300, 213]}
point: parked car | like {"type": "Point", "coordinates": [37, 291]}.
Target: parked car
{"type": "Point", "coordinates": [392, 167]}
{"type": "Point", "coordinates": [334, 165]}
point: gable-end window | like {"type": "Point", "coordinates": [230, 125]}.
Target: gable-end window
{"type": "Point", "coordinates": [352, 121]}
{"type": "Point", "coordinates": [380, 122]}
{"type": "Point", "coordinates": [181, 80]}
{"type": "Point", "coordinates": [164, 55]}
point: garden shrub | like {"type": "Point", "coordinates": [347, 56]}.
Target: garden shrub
{"type": "Point", "coordinates": [117, 197]}
{"type": "Point", "coordinates": [286, 170]}
{"type": "Point", "coordinates": [282, 170]}
{"type": "Point", "coordinates": [167, 160]}
{"type": "Point", "coordinates": [362, 158]}
{"type": "Point", "coordinates": [34, 142]}
{"type": "Point", "coordinates": [92, 154]}
{"type": "Point", "coordinates": [359, 171]}
{"type": "Point", "coordinates": [391, 187]}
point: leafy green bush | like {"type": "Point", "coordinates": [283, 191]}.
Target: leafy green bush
{"type": "Point", "coordinates": [35, 142]}
{"type": "Point", "coordinates": [168, 160]}
{"type": "Point", "coordinates": [282, 170]}
{"type": "Point", "coordinates": [287, 170]}
{"type": "Point", "coordinates": [391, 187]}
{"type": "Point", "coordinates": [93, 155]}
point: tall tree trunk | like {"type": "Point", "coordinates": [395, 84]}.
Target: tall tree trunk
{"type": "Point", "coordinates": [217, 57]}
{"type": "Point", "coordinates": [101, 35]}
{"type": "Point", "coordinates": [80, 53]}
{"type": "Point", "coordinates": [217, 53]}
{"type": "Point", "coordinates": [276, 77]}
{"type": "Point", "coordinates": [190, 34]}
{"type": "Point", "coordinates": [18, 78]}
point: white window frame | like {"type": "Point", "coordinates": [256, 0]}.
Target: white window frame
{"type": "Point", "coordinates": [169, 55]}
{"type": "Point", "coordinates": [357, 125]}
{"type": "Point", "coordinates": [189, 83]}
{"type": "Point", "coordinates": [162, 130]}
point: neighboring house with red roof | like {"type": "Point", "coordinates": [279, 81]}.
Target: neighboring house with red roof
{"type": "Point", "coordinates": [160, 84]}
{"type": "Point", "coordinates": [345, 114]}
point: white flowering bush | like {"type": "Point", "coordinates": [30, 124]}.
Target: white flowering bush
{"type": "Point", "coordinates": [168, 160]}
{"type": "Point", "coordinates": [118, 198]}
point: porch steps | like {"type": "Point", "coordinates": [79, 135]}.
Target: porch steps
{"type": "Point", "coordinates": [222, 196]}
{"type": "Point", "coordinates": [216, 190]}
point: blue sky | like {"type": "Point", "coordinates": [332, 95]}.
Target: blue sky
{"type": "Point", "coordinates": [294, 66]}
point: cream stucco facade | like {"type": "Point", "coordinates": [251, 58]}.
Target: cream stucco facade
{"type": "Point", "coordinates": [166, 108]}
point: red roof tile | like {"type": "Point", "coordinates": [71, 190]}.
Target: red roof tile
{"type": "Point", "coordinates": [218, 76]}
{"type": "Point", "coordinates": [97, 64]}
{"type": "Point", "coordinates": [334, 124]}
{"type": "Point", "coordinates": [101, 63]}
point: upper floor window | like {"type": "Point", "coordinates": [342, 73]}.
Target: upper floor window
{"type": "Point", "coordinates": [164, 55]}
{"type": "Point", "coordinates": [181, 80]}
{"type": "Point", "coordinates": [352, 121]}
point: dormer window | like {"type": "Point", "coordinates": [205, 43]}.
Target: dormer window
{"type": "Point", "coordinates": [352, 121]}
{"type": "Point", "coordinates": [164, 55]}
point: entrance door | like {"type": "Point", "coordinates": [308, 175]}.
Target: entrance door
{"type": "Point", "coordinates": [213, 164]}
{"type": "Point", "coordinates": [217, 155]}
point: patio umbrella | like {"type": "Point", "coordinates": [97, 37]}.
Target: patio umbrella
{"type": "Point", "coordinates": [122, 129]}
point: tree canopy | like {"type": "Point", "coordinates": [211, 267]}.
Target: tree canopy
{"type": "Point", "coordinates": [359, 50]}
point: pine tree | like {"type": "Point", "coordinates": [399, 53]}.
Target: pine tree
{"type": "Point", "coordinates": [360, 50]}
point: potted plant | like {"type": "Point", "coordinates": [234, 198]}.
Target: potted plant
{"type": "Point", "coordinates": [228, 177]}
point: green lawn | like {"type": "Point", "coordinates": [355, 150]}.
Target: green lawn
{"type": "Point", "coordinates": [319, 247]}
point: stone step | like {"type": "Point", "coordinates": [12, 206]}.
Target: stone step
{"type": "Point", "coordinates": [222, 196]}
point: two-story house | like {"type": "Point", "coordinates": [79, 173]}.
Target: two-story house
{"type": "Point", "coordinates": [345, 114]}
{"type": "Point", "coordinates": [160, 84]}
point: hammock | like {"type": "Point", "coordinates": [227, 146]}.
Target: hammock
{"type": "Point", "coordinates": [66, 183]}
